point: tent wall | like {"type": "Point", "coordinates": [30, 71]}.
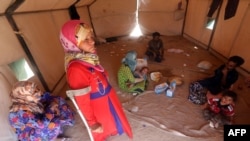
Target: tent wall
{"type": "Point", "coordinates": [43, 42]}
{"type": "Point", "coordinates": [195, 21]}
{"type": "Point", "coordinates": [159, 15]}
{"type": "Point", "coordinates": [31, 31]}
{"type": "Point", "coordinates": [227, 33]}
{"type": "Point", "coordinates": [6, 80]}
{"type": "Point", "coordinates": [113, 18]}
{"type": "Point", "coordinates": [229, 37]}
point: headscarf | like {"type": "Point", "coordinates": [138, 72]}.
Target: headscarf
{"type": "Point", "coordinates": [19, 94]}
{"type": "Point", "coordinates": [130, 60]}
{"type": "Point", "coordinates": [72, 33]}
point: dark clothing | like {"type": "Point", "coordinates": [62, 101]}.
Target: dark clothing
{"type": "Point", "coordinates": [155, 50]}
{"type": "Point", "coordinates": [230, 9]}
{"type": "Point", "coordinates": [214, 83]}
{"type": "Point", "coordinates": [215, 4]}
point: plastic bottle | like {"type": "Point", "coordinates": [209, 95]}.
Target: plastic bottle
{"type": "Point", "coordinates": [160, 88]}
{"type": "Point", "coordinates": [170, 91]}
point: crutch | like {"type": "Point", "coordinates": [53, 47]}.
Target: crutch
{"type": "Point", "coordinates": [71, 95]}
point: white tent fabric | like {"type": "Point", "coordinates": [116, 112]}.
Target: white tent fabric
{"type": "Point", "coordinates": [6, 81]}
{"type": "Point", "coordinates": [30, 30]}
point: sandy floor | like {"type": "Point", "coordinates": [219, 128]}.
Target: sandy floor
{"type": "Point", "coordinates": [157, 117]}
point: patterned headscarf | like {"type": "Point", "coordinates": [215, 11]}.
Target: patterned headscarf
{"type": "Point", "coordinates": [130, 60]}
{"type": "Point", "coordinates": [72, 33]}
{"type": "Point", "coordinates": [19, 96]}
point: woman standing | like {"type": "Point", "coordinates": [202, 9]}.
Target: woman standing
{"type": "Point", "coordinates": [86, 77]}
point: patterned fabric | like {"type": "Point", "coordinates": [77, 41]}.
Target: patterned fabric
{"type": "Point", "coordinates": [87, 57]}
{"type": "Point", "coordinates": [72, 33]}
{"type": "Point", "coordinates": [214, 106]}
{"type": "Point", "coordinates": [218, 113]}
{"type": "Point", "coordinates": [197, 93]}
{"type": "Point", "coordinates": [19, 94]}
{"type": "Point", "coordinates": [30, 125]}
{"type": "Point", "coordinates": [126, 81]}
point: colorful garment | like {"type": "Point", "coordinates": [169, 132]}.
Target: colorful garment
{"type": "Point", "coordinates": [98, 101]}
{"type": "Point", "coordinates": [126, 81]}
{"type": "Point", "coordinates": [214, 106]}
{"type": "Point", "coordinates": [88, 82]}
{"type": "Point", "coordinates": [44, 126]}
{"type": "Point", "coordinates": [217, 114]}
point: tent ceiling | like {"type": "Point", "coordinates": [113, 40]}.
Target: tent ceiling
{"type": "Point", "coordinates": [84, 2]}
{"type": "Point", "coordinates": [39, 5]}
{"type": "Point", "coordinates": [4, 5]}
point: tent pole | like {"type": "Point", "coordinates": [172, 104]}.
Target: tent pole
{"type": "Point", "coordinates": [8, 13]}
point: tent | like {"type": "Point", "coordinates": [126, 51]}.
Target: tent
{"type": "Point", "coordinates": [30, 33]}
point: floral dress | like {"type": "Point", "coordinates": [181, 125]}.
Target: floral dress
{"type": "Point", "coordinates": [29, 126]}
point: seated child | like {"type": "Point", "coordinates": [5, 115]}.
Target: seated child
{"type": "Point", "coordinates": [155, 48]}
{"type": "Point", "coordinates": [220, 111]}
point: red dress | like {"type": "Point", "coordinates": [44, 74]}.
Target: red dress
{"type": "Point", "coordinates": [100, 103]}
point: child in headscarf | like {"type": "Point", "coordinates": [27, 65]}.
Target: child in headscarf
{"type": "Point", "coordinates": [37, 115]}
{"type": "Point", "coordinates": [127, 81]}
{"type": "Point", "coordinates": [89, 83]}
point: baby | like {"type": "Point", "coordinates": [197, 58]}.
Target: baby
{"type": "Point", "coordinates": [142, 73]}
{"type": "Point", "coordinates": [220, 111]}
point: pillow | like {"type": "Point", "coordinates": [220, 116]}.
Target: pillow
{"type": "Point", "coordinates": [204, 65]}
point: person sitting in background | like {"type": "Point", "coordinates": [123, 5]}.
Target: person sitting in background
{"type": "Point", "coordinates": [126, 79]}
{"type": "Point", "coordinates": [220, 111]}
{"type": "Point", "coordinates": [155, 48]}
{"type": "Point", "coordinates": [36, 115]}
{"type": "Point", "coordinates": [224, 78]}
